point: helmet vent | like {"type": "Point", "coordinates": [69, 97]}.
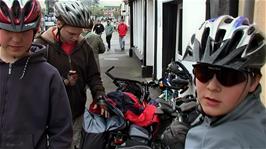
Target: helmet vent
{"type": "Point", "coordinates": [67, 9]}
{"type": "Point", "coordinates": [27, 9]}
{"type": "Point", "coordinates": [83, 13]}
{"type": "Point", "coordinates": [233, 43]}
{"type": "Point", "coordinates": [4, 9]}
{"type": "Point", "coordinates": [204, 39]}
{"type": "Point", "coordinates": [16, 10]}
{"type": "Point", "coordinates": [218, 39]}
{"type": "Point", "coordinates": [245, 22]}
{"type": "Point", "coordinates": [228, 20]}
{"type": "Point", "coordinates": [255, 43]}
{"type": "Point", "coordinates": [79, 16]}
{"type": "Point", "coordinates": [192, 39]}
{"type": "Point", "coordinates": [251, 30]}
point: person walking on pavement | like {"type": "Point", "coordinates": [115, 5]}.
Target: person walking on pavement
{"type": "Point", "coordinates": [71, 54]}
{"type": "Point", "coordinates": [109, 29]}
{"type": "Point", "coordinates": [34, 104]}
{"type": "Point", "coordinates": [122, 31]}
{"type": "Point", "coordinates": [95, 41]}
{"type": "Point", "coordinates": [98, 28]}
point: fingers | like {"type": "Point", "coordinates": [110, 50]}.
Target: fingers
{"type": "Point", "coordinates": [105, 113]}
{"type": "Point", "coordinates": [73, 79]}
{"type": "Point", "coordinates": [94, 106]}
{"type": "Point", "coordinates": [102, 111]}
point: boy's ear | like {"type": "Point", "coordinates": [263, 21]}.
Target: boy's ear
{"type": "Point", "coordinates": [59, 23]}
{"type": "Point", "coordinates": [254, 83]}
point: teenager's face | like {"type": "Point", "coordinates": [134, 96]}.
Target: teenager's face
{"type": "Point", "coordinates": [70, 34]}
{"type": "Point", "coordinates": [217, 99]}
{"type": "Point", "coordinates": [15, 44]}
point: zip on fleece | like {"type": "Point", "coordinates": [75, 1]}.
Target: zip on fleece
{"type": "Point", "coordinates": [9, 69]}
{"type": "Point", "coordinates": [70, 62]}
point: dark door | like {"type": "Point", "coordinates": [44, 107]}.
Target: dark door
{"type": "Point", "coordinates": [169, 33]}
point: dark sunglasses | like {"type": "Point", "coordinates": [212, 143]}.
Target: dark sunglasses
{"type": "Point", "coordinates": [227, 77]}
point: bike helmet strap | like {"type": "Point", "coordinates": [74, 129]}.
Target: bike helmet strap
{"type": "Point", "coordinates": [228, 42]}
{"type": "Point", "coordinates": [73, 13]}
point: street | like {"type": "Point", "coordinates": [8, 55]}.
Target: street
{"type": "Point", "coordinates": [125, 66]}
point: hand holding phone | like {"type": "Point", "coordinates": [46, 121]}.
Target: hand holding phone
{"type": "Point", "coordinates": [72, 77]}
{"type": "Point", "coordinates": [72, 72]}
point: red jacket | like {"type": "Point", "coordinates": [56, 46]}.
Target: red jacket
{"type": "Point", "coordinates": [122, 29]}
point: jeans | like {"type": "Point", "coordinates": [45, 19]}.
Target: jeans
{"type": "Point", "coordinates": [122, 42]}
{"type": "Point", "coordinates": [108, 40]}
{"type": "Point", "coordinates": [77, 127]}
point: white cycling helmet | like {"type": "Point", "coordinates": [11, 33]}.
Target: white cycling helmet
{"type": "Point", "coordinates": [228, 42]}
{"type": "Point", "coordinates": [73, 13]}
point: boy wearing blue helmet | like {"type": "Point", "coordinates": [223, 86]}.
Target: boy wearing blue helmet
{"type": "Point", "coordinates": [229, 53]}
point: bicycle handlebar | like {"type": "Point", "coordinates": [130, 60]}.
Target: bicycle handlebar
{"type": "Point", "coordinates": [115, 79]}
{"type": "Point", "coordinates": [108, 74]}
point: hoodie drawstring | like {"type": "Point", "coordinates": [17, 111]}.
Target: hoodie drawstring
{"type": "Point", "coordinates": [25, 68]}
{"type": "Point", "coordinates": [9, 69]}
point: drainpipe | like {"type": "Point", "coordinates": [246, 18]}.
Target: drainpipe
{"type": "Point", "coordinates": [155, 39]}
{"type": "Point", "coordinates": [131, 29]}
{"type": "Point", "coordinates": [208, 10]}
{"type": "Point", "coordinates": [145, 34]}
{"type": "Point", "coordinates": [249, 9]}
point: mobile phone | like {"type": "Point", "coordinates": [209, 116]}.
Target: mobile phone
{"type": "Point", "coordinates": [72, 72]}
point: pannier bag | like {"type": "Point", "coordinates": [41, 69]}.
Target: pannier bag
{"type": "Point", "coordinates": [96, 128]}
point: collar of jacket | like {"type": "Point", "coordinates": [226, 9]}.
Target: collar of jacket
{"type": "Point", "coordinates": [35, 56]}
{"type": "Point", "coordinates": [49, 36]}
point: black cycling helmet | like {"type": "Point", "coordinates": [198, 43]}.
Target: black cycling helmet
{"type": "Point", "coordinates": [179, 69]}
{"type": "Point", "coordinates": [73, 13]}
{"type": "Point", "coordinates": [20, 15]}
{"type": "Point", "coordinates": [228, 42]}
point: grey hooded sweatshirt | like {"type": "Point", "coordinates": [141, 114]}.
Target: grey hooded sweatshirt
{"type": "Point", "coordinates": [243, 128]}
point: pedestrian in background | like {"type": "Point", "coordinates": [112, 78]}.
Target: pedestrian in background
{"type": "Point", "coordinates": [109, 29]}
{"type": "Point", "coordinates": [71, 54]}
{"type": "Point", "coordinates": [98, 27]}
{"type": "Point", "coordinates": [122, 31]}
{"type": "Point", "coordinates": [35, 111]}
{"type": "Point", "coordinates": [95, 41]}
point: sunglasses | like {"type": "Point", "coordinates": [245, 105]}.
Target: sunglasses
{"type": "Point", "coordinates": [226, 76]}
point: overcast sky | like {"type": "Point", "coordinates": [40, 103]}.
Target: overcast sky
{"type": "Point", "coordinates": [111, 2]}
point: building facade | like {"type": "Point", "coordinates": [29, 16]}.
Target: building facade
{"type": "Point", "coordinates": [160, 30]}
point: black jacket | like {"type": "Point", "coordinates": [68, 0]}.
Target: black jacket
{"type": "Point", "coordinates": [82, 60]}
{"type": "Point", "coordinates": [33, 104]}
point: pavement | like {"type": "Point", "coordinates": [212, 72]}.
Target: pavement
{"type": "Point", "coordinates": [125, 66]}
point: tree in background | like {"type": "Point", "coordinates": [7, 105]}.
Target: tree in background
{"type": "Point", "coordinates": [90, 2]}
